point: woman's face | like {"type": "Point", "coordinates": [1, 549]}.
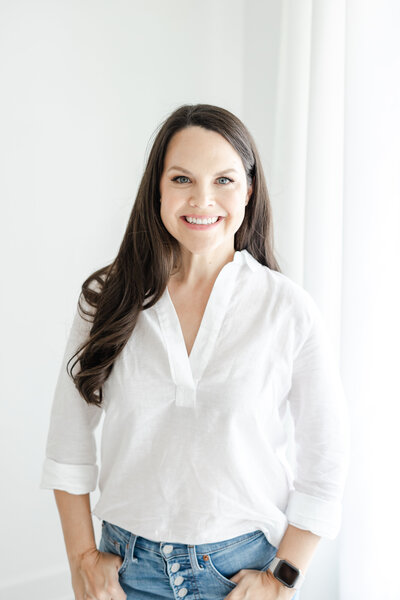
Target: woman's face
{"type": "Point", "coordinates": [203, 177]}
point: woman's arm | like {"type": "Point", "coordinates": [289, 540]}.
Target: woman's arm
{"type": "Point", "coordinates": [77, 524]}
{"type": "Point", "coordinates": [298, 546]}
{"type": "Point", "coordinates": [94, 574]}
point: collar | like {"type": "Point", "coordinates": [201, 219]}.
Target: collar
{"type": "Point", "coordinates": [244, 257]}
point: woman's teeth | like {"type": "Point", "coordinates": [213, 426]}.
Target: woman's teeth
{"type": "Point", "coordinates": [202, 221]}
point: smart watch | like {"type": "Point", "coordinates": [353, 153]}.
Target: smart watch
{"type": "Point", "coordinates": [286, 573]}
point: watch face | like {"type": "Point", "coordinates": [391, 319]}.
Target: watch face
{"type": "Point", "coordinates": [286, 573]}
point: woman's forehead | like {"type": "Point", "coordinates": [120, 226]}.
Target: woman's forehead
{"type": "Point", "coordinates": [192, 146]}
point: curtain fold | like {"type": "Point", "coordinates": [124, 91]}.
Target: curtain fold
{"type": "Point", "coordinates": [371, 299]}
{"type": "Point", "coordinates": [336, 207]}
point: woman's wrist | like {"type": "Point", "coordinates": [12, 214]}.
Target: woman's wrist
{"type": "Point", "coordinates": [282, 591]}
{"type": "Point", "coordinates": [83, 559]}
{"type": "Point", "coordinates": [298, 546]}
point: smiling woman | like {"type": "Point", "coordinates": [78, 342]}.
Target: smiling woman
{"type": "Point", "coordinates": [205, 194]}
{"type": "Point", "coordinates": [195, 346]}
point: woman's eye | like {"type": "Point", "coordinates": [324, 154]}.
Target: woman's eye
{"type": "Point", "coordinates": [180, 177]}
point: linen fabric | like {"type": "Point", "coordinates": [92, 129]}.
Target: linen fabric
{"type": "Point", "coordinates": [193, 448]}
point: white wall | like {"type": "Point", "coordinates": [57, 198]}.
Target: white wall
{"type": "Point", "coordinates": [84, 86]}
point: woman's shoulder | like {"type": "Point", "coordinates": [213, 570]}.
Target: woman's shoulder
{"type": "Point", "coordinates": [287, 285]}
{"type": "Point", "coordinates": [282, 290]}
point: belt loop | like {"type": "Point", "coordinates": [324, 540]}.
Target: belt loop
{"type": "Point", "coordinates": [132, 542]}
{"type": "Point", "coordinates": [193, 558]}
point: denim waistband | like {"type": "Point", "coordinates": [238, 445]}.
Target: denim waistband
{"type": "Point", "coordinates": [207, 548]}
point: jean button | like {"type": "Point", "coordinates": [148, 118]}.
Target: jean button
{"type": "Point", "coordinates": [175, 567]}
{"type": "Point", "coordinates": [168, 549]}
{"type": "Point", "coordinates": [182, 592]}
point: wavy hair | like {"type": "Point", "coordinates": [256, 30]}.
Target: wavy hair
{"type": "Point", "coordinates": [149, 254]}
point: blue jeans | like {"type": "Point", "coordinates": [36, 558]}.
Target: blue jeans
{"type": "Point", "coordinates": [170, 571]}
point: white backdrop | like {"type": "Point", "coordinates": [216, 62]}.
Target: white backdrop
{"type": "Point", "coordinates": [84, 85]}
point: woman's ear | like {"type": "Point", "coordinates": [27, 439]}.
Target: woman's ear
{"type": "Point", "coordinates": [250, 191]}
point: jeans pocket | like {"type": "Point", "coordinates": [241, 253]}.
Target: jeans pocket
{"type": "Point", "coordinates": [222, 572]}
{"type": "Point", "coordinates": [253, 553]}
{"type": "Point", "coordinates": [110, 537]}
{"type": "Point", "coordinates": [115, 541]}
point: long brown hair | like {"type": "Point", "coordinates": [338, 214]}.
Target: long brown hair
{"type": "Point", "coordinates": [149, 254]}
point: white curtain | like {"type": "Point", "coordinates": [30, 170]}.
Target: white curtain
{"type": "Point", "coordinates": [337, 179]}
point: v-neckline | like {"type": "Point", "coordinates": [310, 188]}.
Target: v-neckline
{"type": "Point", "coordinates": [187, 369]}
{"type": "Point", "coordinates": [180, 326]}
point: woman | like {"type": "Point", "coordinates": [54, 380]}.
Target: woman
{"type": "Point", "coordinates": [197, 348]}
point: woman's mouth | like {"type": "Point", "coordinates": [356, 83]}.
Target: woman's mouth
{"type": "Point", "coordinates": [201, 223]}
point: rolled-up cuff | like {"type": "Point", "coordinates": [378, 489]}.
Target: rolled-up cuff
{"type": "Point", "coordinates": [320, 516]}
{"type": "Point", "coordinates": [75, 479]}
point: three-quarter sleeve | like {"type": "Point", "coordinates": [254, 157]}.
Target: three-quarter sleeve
{"type": "Point", "coordinates": [70, 463]}
{"type": "Point", "coordinates": [322, 433]}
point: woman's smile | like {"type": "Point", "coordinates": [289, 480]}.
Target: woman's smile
{"type": "Point", "coordinates": [204, 225]}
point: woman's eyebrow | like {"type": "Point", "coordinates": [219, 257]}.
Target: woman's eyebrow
{"type": "Point", "coordinates": [176, 168]}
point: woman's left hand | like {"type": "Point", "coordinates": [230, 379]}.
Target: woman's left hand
{"type": "Point", "coordinates": [258, 585]}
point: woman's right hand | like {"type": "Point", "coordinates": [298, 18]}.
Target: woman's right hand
{"type": "Point", "coordinates": [95, 576]}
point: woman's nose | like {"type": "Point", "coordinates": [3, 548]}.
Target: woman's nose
{"type": "Point", "coordinates": [202, 199]}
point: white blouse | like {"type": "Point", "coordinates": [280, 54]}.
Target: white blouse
{"type": "Point", "coordinates": [193, 448]}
